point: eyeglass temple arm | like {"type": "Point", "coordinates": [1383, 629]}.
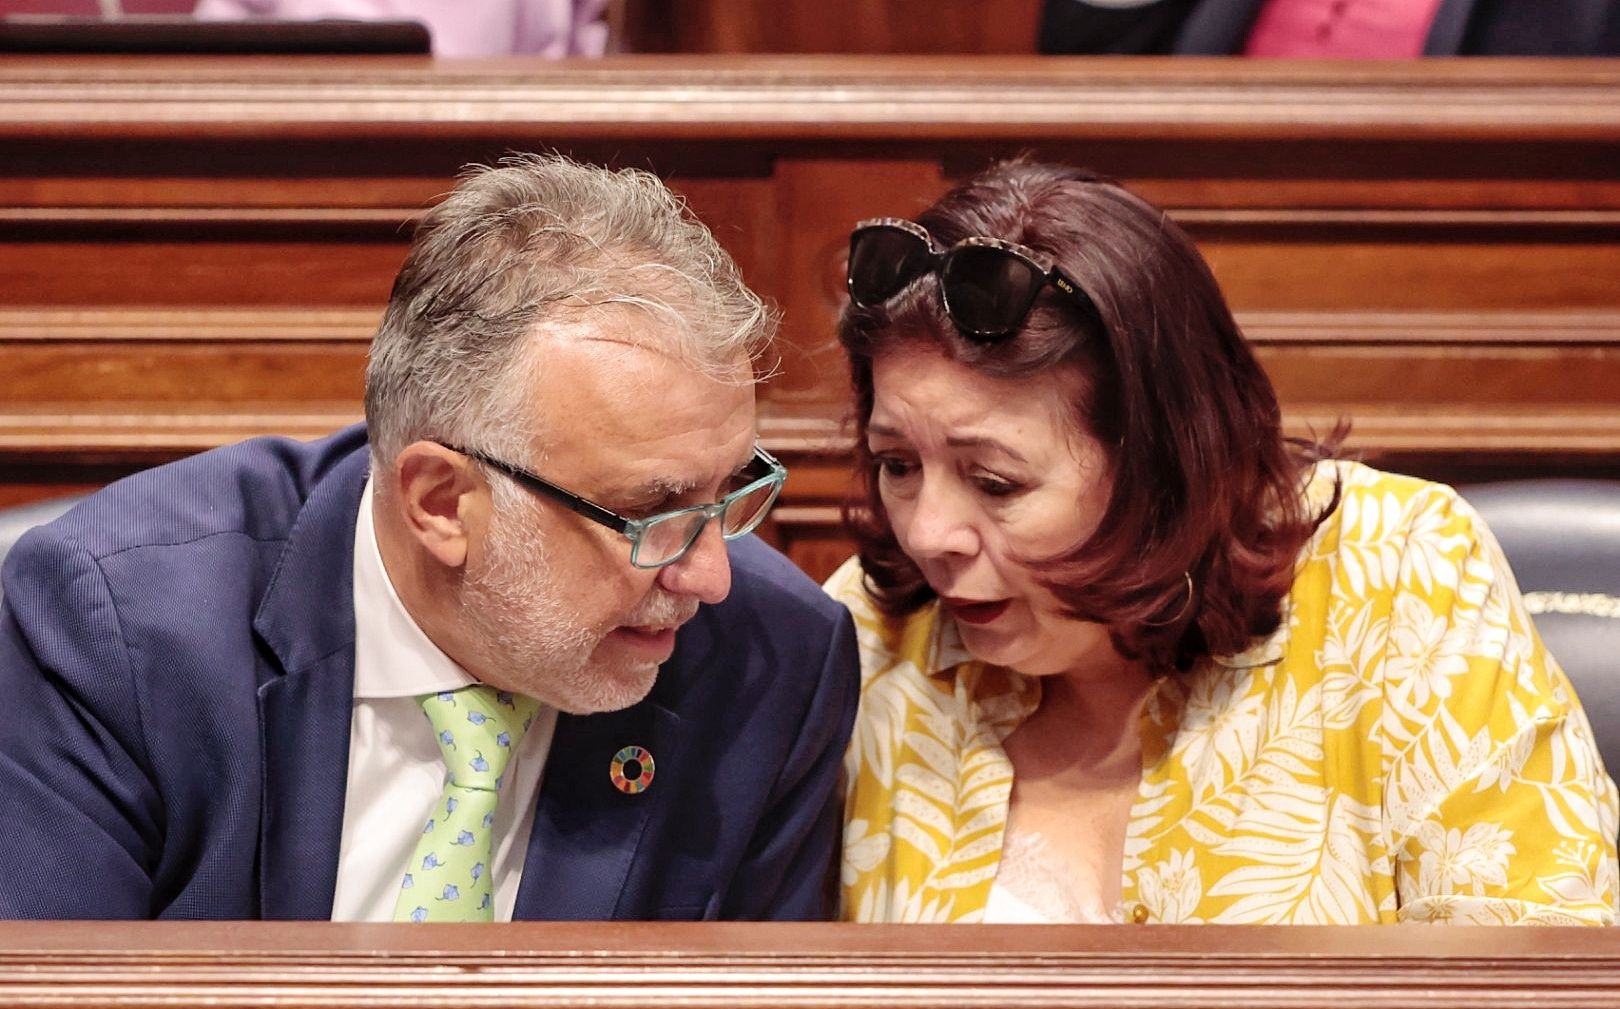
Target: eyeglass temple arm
{"type": "Point", "coordinates": [1063, 282]}
{"type": "Point", "coordinates": [772, 464]}
{"type": "Point", "coordinates": [568, 499]}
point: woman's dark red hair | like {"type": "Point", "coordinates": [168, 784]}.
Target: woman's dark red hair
{"type": "Point", "coordinates": [1206, 492]}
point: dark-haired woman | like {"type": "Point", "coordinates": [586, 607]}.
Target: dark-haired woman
{"type": "Point", "coordinates": [1128, 655]}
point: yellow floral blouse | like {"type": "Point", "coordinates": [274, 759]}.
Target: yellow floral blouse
{"type": "Point", "coordinates": [1402, 749]}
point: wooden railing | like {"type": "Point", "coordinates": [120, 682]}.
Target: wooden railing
{"type": "Point", "coordinates": [745, 966]}
{"type": "Point", "coordinates": [192, 251]}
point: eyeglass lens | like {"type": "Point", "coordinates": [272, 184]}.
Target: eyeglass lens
{"type": "Point", "coordinates": [668, 538]}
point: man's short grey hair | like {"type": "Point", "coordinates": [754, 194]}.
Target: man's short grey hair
{"type": "Point", "coordinates": [533, 239]}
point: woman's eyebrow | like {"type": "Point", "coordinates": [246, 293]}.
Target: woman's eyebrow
{"type": "Point", "coordinates": [985, 442]}
{"type": "Point", "coordinates": [955, 441]}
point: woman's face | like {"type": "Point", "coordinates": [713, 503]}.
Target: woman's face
{"type": "Point", "coordinates": [979, 474]}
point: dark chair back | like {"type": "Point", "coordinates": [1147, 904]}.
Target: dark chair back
{"type": "Point", "coordinates": [1562, 538]}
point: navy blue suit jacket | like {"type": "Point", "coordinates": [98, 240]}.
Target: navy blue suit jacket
{"type": "Point", "coordinates": [176, 669]}
{"type": "Point", "coordinates": [1221, 27]}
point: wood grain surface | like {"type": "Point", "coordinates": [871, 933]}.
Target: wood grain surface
{"type": "Point", "coordinates": [195, 250]}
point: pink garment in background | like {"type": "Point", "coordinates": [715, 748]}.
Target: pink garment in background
{"type": "Point", "coordinates": [1341, 28]}
{"type": "Point", "coordinates": [553, 28]}
{"type": "Point", "coordinates": [91, 8]}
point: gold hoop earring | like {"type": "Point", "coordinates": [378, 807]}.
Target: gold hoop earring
{"type": "Point", "coordinates": [1185, 606]}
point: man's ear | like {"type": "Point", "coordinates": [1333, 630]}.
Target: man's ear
{"type": "Point", "coordinates": [441, 499]}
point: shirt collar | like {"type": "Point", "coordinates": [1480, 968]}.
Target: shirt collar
{"type": "Point", "coordinates": [393, 657]}
{"type": "Point", "coordinates": [949, 651]}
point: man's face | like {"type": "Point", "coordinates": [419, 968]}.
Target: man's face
{"type": "Point", "coordinates": [550, 602]}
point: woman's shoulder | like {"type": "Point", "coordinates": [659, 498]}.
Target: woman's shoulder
{"type": "Point", "coordinates": [1393, 547]}
{"type": "Point", "coordinates": [1375, 506]}
{"type": "Point", "coordinates": [1357, 479]}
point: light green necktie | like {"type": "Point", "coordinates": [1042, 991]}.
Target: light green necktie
{"type": "Point", "coordinates": [448, 876]}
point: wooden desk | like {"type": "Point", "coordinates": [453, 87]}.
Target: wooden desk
{"type": "Point", "coordinates": [192, 251]}
{"type": "Point", "coordinates": [746, 966]}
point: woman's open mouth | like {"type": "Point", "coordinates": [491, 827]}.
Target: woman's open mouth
{"type": "Point", "coordinates": [974, 611]}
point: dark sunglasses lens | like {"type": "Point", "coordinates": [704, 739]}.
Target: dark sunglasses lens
{"type": "Point", "coordinates": [988, 291]}
{"type": "Point", "coordinates": [882, 261]}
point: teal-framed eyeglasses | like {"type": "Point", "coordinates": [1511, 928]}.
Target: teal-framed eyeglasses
{"type": "Point", "coordinates": [665, 538]}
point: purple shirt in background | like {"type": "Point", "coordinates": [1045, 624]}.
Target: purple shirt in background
{"type": "Point", "coordinates": [1341, 28]}
{"type": "Point", "coordinates": [553, 28]}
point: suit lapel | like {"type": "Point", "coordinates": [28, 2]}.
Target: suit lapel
{"type": "Point", "coordinates": [307, 621]}
{"type": "Point", "coordinates": [586, 832]}
{"type": "Point", "coordinates": [305, 736]}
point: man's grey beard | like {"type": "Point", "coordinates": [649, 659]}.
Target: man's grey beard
{"type": "Point", "coordinates": [528, 628]}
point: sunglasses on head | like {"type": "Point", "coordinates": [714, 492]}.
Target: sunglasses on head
{"type": "Point", "coordinates": [988, 285]}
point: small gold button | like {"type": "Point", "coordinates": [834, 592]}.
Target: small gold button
{"type": "Point", "coordinates": [1139, 914]}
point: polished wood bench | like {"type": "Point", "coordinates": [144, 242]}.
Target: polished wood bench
{"type": "Point", "coordinates": [196, 250]}
{"type": "Point", "coordinates": [77, 965]}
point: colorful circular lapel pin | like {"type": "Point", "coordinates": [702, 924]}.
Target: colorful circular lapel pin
{"type": "Point", "coordinates": [632, 770]}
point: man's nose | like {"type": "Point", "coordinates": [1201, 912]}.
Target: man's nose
{"type": "Point", "coordinates": [704, 571]}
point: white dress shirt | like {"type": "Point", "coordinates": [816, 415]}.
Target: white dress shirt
{"type": "Point", "coordinates": [396, 773]}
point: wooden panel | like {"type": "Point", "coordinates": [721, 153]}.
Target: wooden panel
{"type": "Point", "coordinates": [765, 966]}
{"type": "Point", "coordinates": [192, 251]}
{"type": "Point", "coordinates": [1425, 273]}
{"type": "Point", "coordinates": [249, 272]}
{"type": "Point", "coordinates": [817, 202]}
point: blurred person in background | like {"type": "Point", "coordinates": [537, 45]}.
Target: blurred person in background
{"type": "Point", "coordinates": [550, 28]}
{"type": "Point", "coordinates": [1332, 28]}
